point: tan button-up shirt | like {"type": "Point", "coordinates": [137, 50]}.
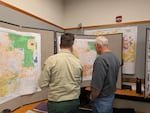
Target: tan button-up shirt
{"type": "Point", "coordinates": [62, 73]}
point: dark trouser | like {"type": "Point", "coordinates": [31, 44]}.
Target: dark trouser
{"type": "Point", "coordinates": [70, 106]}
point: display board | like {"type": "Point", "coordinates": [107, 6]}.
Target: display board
{"type": "Point", "coordinates": [47, 49]}
{"type": "Point", "coordinates": [20, 63]}
{"type": "Point", "coordinates": [147, 64]}
{"type": "Point", "coordinates": [84, 49]}
{"type": "Point", "coordinates": [129, 45]}
{"type": "Point", "coordinates": [140, 44]}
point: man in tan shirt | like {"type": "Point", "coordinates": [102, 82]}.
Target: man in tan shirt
{"type": "Point", "coordinates": [62, 74]}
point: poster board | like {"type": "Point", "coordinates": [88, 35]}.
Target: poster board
{"type": "Point", "coordinates": [47, 49]}
{"type": "Point", "coordinates": [129, 45]}
{"type": "Point", "coordinates": [115, 45]}
{"type": "Point", "coordinates": [147, 64]}
{"type": "Point", "coordinates": [140, 46]}
{"type": "Point", "coordinates": [20, 63]}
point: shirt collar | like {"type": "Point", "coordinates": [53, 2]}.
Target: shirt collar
{"type": "Point", "coordinates": [65, 51]}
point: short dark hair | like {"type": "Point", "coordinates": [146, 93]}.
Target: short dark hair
{"type": "Point", "coordinates": [67, 40]}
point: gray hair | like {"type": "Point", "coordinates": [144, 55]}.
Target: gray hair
{"type": "Point", "coordinates": [101, 40]}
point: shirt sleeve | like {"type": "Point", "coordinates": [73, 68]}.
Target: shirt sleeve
{"type": "Point", "coordinates": [99, 74]}
{"type": "Point", "coordinates": [45, 75]}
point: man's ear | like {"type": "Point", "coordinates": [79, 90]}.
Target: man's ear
{"type": "Point", "coordinates": [99, 46]}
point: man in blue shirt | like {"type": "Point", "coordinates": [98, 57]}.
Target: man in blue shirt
{"type": "Point", "coordinates": [105, 72]}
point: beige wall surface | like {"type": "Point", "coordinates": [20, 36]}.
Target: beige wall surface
{"type": "Point", "coordinates": [50, 10]}
{"type": "Point", "coordinates": [69, 13]}
{"type": "Point", "coordinates": [100, 12]}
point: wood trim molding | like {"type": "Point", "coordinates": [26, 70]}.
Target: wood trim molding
{"type": "Point", "coordinates": [111, 25]}
{"type": "Point", "coordinates": [27, 13]}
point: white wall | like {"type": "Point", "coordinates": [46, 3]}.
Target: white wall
{"type": "Point", "coordinates": [50, 10]}
{"type": "Point", "coordinates": [99, 12]}
{"type": "Point", "coordinates": [69, 13]}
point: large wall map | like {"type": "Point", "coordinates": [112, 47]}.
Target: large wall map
{"type": "Point", "coordinates": [84, 49]}
{"type": "Point", "coordinates": [20, 63]}
{"type": "Point", "coordinates": [129, 44]}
